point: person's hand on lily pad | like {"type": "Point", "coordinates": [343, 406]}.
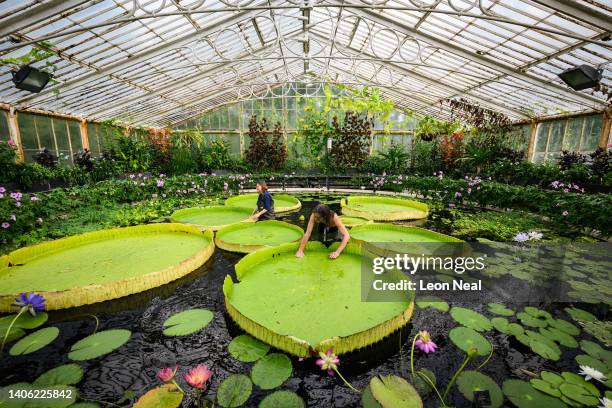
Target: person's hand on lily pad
{"type": "Point", "coordinates": [299, 254]}
{"type": "Point", "coordinates": [334, 255]}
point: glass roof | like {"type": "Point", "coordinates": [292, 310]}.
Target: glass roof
{"type": "Point", "coordinates": [162, 62]}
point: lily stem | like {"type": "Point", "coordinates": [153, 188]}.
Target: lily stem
{"type": "Point", "coordinates": [8, 331]}
{"type": "Point", "coordinates": [412, 354]}
{"type": "Point", "coordinates": [432, 385]}
{"type": "Point", "coordinates": [346, 382]}
{"type": "Point", "coordinates": [450, 384]}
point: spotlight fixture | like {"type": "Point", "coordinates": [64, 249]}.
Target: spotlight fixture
{"type": "Point", "coordinates": [30, 79]}
{"type": "Point", "coordinates": [582, 77]}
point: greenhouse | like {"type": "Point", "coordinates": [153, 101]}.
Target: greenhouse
{"type": "Point", "coordinates": [305, 203]}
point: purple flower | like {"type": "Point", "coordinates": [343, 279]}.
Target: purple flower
{"type": "Point", "coordinates": [457, 194]}
{"type": "Point", "coordinates": [16, 196]}
{"type": "Point", "coordinates": [2, 189]}
{"type": "Point", "coordinates": [32, 302]}
{"type": "Point", "coordinates": [424, 343]}
{"type": "Point", "coordinates": [5, 225]}
{"type": "Point", "coordinates": [565, 213]}
{"type": "Point", "coordinates": [160, 183]}
{"type": "Point", "coordinates": [34, 198]}
{"type": "Point", "coordinates": [167, 374]}
{"type": "Point", "coordinates": [328, 361]}
{"type": "Point", "coordinates": [17, 203]}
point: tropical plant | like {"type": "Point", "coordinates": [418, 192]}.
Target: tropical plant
{"type": "Point", "coordinates": [313, 130]}
{"type": "Point", "coordinates": [569, 159]}
{"type": "Point", "coordinates": [351, 140]}
{"type": "Point", "coordinates": [8, 158]}
{"type": "Point", "coordinates": [429, 128]}
{"type": "Point", "coordinates": [82, 159]}
{"type": "Point", "coordinates": [45, 158]}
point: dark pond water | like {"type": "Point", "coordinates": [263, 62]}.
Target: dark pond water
{"type": "Point", "coordinates": [133, 366]}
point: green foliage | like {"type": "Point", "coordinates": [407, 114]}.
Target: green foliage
{"type": "Point", "coordinates": [394, 392]}
{"type": "Point", "coordinates": [425, 157]}
{"type": "Point", "coordinates": [429, 128]}
{"type": "Point", "coordinates": [234, 391]}
{"type": "Point", "coordinates": [39, 51]}
{"type": "Point", "coordinates": [470, 318]}
{"type": "Point", "coordinates": [187, 322]}
{"type": "Point", "coordinates": [466, 339]}
{"type": "Point", "coordinates": [523, 395]}
{"type": "Point", "coordinates": [312, 131]}
{"type": "Point", "coordinates": [67, 374]}
{"type": "Point", "coordinates": [248, 349]}
{"type": "Point", "coordinates": [34, 341]}
{"type": "Point", "coordinates": [469, 382]}
{"type": "Point", "coordinates": [394, 160]}
{"type": "Point", "coordinates": [282, 399]}
{"type": "Point", "coordinates": [271, 371]}
{"type": "Point", "coordinates": [98, 344]}
{"type": "Point", "coordinates": [166, 396]}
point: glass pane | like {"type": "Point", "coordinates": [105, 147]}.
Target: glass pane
{"type": "Point", "coordinates": [592, 133]}
{"type": "Point", "coordinates": [28, 135]}
{"type": "Point", "coordinates": [4, 126]}
{"type": "Point", "coordinates": [75, 136]}
{"type": "Point", "coordinates": [556, 136]}
{"type": "Point", "coordinates": [45, 133]}
{"type": "Point", "coordinates": [574, 132]}
{"type": "Point", "coordinates": [61, 136]}
{"type": "Point", "coordinates": [542, 138]}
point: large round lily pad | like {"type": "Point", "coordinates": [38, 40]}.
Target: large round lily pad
{"type": "Point", "coordinates": [66, 374]}
{"type": "Point", "coordinates": [378, 208]}
{"type": "Point", "coordinates": [105, 264]}
{"type": "Point", "coordinates": [351, 222]}
{"type": "Point", "coordinates": [470, 382]}
{"type": "Point", "coordinates": [234, 391]}
{"type": "Point", "coordinates": [248, 349]}
{"type": "Point", "coordinates": [377, 232]}
{"type": "Point", "coordinates": [215, 217]}
{"type": "Point", "coordinates": [471, 319]}
{"type": "Point", "coordinates": [271, 371]}
{"type": "Point", "coordinates": [249, 237]}
{"type": "Point", "coordinates": [99, 344]}
{"type": "Point", "coordinates": [187, 322]}
{"type": "Point", "coordinates": [282, 202]}
{"type": "Point", "coordinates": [296, 304]}
{"type": "Point", "coordinates": [466, 339]}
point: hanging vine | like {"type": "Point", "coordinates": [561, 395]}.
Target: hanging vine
{"type": "Point", "coordinates": [477, 116]}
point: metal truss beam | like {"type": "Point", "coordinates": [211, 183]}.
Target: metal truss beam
{"type": "Point", "coordinates": [579, 11]}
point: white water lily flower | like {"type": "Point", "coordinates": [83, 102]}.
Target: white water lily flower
{"type": "Point", "coordinates": [521, 237]}
{"type": "Point", "coordinates": [535, 235]}
{"type": "Point", "coordinates": [605, 403]}
{"type": "Point", "coordinates": [590, 372]}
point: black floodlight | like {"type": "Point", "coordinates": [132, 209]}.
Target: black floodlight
{"type": "Point", "coordinates": [582, 77]}
{"type": "Point", "coordinates": [31, 79]}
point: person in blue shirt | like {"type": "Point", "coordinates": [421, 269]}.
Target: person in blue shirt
{"type": "Point", "coordinates": [265, 203]}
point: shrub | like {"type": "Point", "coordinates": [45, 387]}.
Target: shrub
{"type": "Point", "coordinates": [263, 153]}
{"type": "Point", "coordinates": [351, 140]}
{"type": "Point", "coordinates": [45, 158]}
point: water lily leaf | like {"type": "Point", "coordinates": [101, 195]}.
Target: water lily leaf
{"type": "Point", "coordinates": [469, 382]}
{"type": "Point", "coordinates": [248, 349]}
{"type": "Point", "coordinates": [234, 391]}
{"type": "Point", "coordinates": [545, 387]}
{"type": "Point", "coordinates": [543, 346]}
{"type": "Point", "coordinates": [433, 302]}
{"type": "Point", "coordinates": [466, 338]}
{"type": "Point", "coordinates": [99, 344]}
{"type": "Point", "coordinates": [66, 374]}
{"type": "Point", "coordinates": [523, 395]}
{"type": "Point", "coordinates": [501, 324]}
{"type": "Point", "coordinates": [595, 350]}
{"type": "Point", "coordinates": [590, 361]}
{"type": "Point", "coordinates": [34, 341]}
{"type": "Point", "coordinates": [282, 399]}
{"type": "Point", "coordinates": [471, 319]}
{"type": "Point", "coordinates": [166, 396]}
{"type": "Point", "coordinates": [368, 400]}
{"type": "Point", "coordinates": [25, 320]}
{"type": "Point", "coordinates": [516, 329]}
{"type": "Point", "coordinates": [392, 391]}
{"type": "Point", "coordinates": [529, 320]}
{"type": "Point", "coordinates": [537, 313]}
{"type": "Point", "coordinates": [559, 336]}
{"type": "Point", "coordinates": [15, 333]}
{"type": "Point", "coordinates": [499, 309]}
{"type": "Point", "coordinates": [578, 394]}
{"type": "Point", "coordinates": [187, 322]}
{"type": "Point", "coordinates": [580, 315]}
{"type": "Point", "coordinates": [552, 378]}
{"type": "Point", "coordinates": [564, 326]}
{"type": "Point", "coordinates": [271, 371]}
{"type": "Point", "coordinates": [575, 379]}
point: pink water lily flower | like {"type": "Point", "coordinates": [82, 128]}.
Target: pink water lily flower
{"type": "Point", "coordinates": [198, 376]}
{"type": "Point", "coordinates": [166, 374]}
{"type": "Point", "coordinates": [328, 361]}
{"type": "Point", "coordinates": [425, 343]}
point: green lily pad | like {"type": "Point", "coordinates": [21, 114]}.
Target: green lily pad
{"type": "Point", "coordinates": [433, 302]}
{"type": "Point", "coordinates": [552, 378]}
{"type": "Point", "coordinates": [248, 349]}
{"type": "Point", "coordinates": [466, 338]}
{"type": "Point", "coordinates": [282, 399]}
{"type": "Point", "coordinates": [99, 344]}
{"type": "Point", "coordinates": [234, 391]}
{"type": "Point", "coordinates": [595, 350]}
{"type": "Point", "coordinates": [523, 395]}
{"type": "Point", "coordinates": [578, 380]}
{"type": "Point", "coordinates": [499, 309]}
{"type": "Point", "coordinates": [368, 400]}
{"type": "Point", "coordinates": [578, 394]}
{"type": "Point", "coordinates": [187, 322]}
{"type": "Point", "coordinates": [392, 391]}
{"type": "Point", "coordinates": [469, 382]}
{"type": "Point", "coordinates": [564, 326]}
{"type": "Point", "coordinates": [166, 396]}
{"type": "Point", "coordinates": [545, 387]}
{"type": "Point", "coordinates": [67, 374]}
{"type": "Point", "coordinates": [559, 336]}
{"type": "Point", "coordinates": [15, 334]}
{"type": "Point", "coordinates": [471, 319]}
{"type": "Point", "coordinates": [25, 320]}
{"type": "Point", "coordinates": [271, 371]}
{"type": "Point", "coordinates": [543, 346]}
{"type": "Point", "coordinates": [537, 313]}
{"type": "Point", "coordinates": [590, 361]}
{"type": "Point", "coordinates": [529, 320]}
{"type": "Point", "coordinates": [501, 324]}
{"type": "Point", "coordinates": [580, 315]}
{"type": "Point", "coordinates": [34, 341]}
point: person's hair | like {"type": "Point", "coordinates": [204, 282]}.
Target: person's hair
{"type": "Point", "coordinates": [264, 186]}
{"type": "Point", "coordinates": [325, 213]}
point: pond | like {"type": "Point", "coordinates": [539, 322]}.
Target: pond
{"type": "Point", "coordinates": [128, 372]}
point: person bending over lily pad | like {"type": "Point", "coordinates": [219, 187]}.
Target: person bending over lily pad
{"type": "Point", "coordinates": [265, 203]}
{"type": "Point", "coordinates": [329, 222]}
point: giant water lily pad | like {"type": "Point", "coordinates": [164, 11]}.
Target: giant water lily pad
{"type": "Point", "coordinates": [471, 319]}
{"type": "Point", "coordinates": [523, 395]}
{"type": "Point", "coordinates": [271, 371]}
{"type": "Point", "coordinates": [215, 217]}
{"type": "Point", "coordinates": [383, 208]}
{"type": "Point", "coordinates": [249, 237]}
{"type": "Point", "coordinates": [34, 341]}
{"type": "Point", "coordinates": [187, 322]}
{"type": "Point", "coordinates": [66, 374]}
{"type": "Point", "coordinates": [99, 344]}
{"type": "Point", "coordinates": [282, 202]}
{"type": "Point", "coordinates": [282, 399]}
{"type": "Point", "coordinates": [234, 391]}
{"type": "Point", "coordinates": [246, 348]}
{"type": "Point", "coordinates": [351, 222]}
{"type": "Point", "coordinates": [390, 233]}
{"type": "Point", "coordinates": [392, 391]}
{"type": "Point", "coordinates": [164, 396]}
{"type": "Point", "coordinates": [105, 264]}
{"type": "Point", "coordinates": [466, 339]}
{"type": "Point", "coordinates": [314, 302]}
{"type": "Point", "coordinates": [470, 382]}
